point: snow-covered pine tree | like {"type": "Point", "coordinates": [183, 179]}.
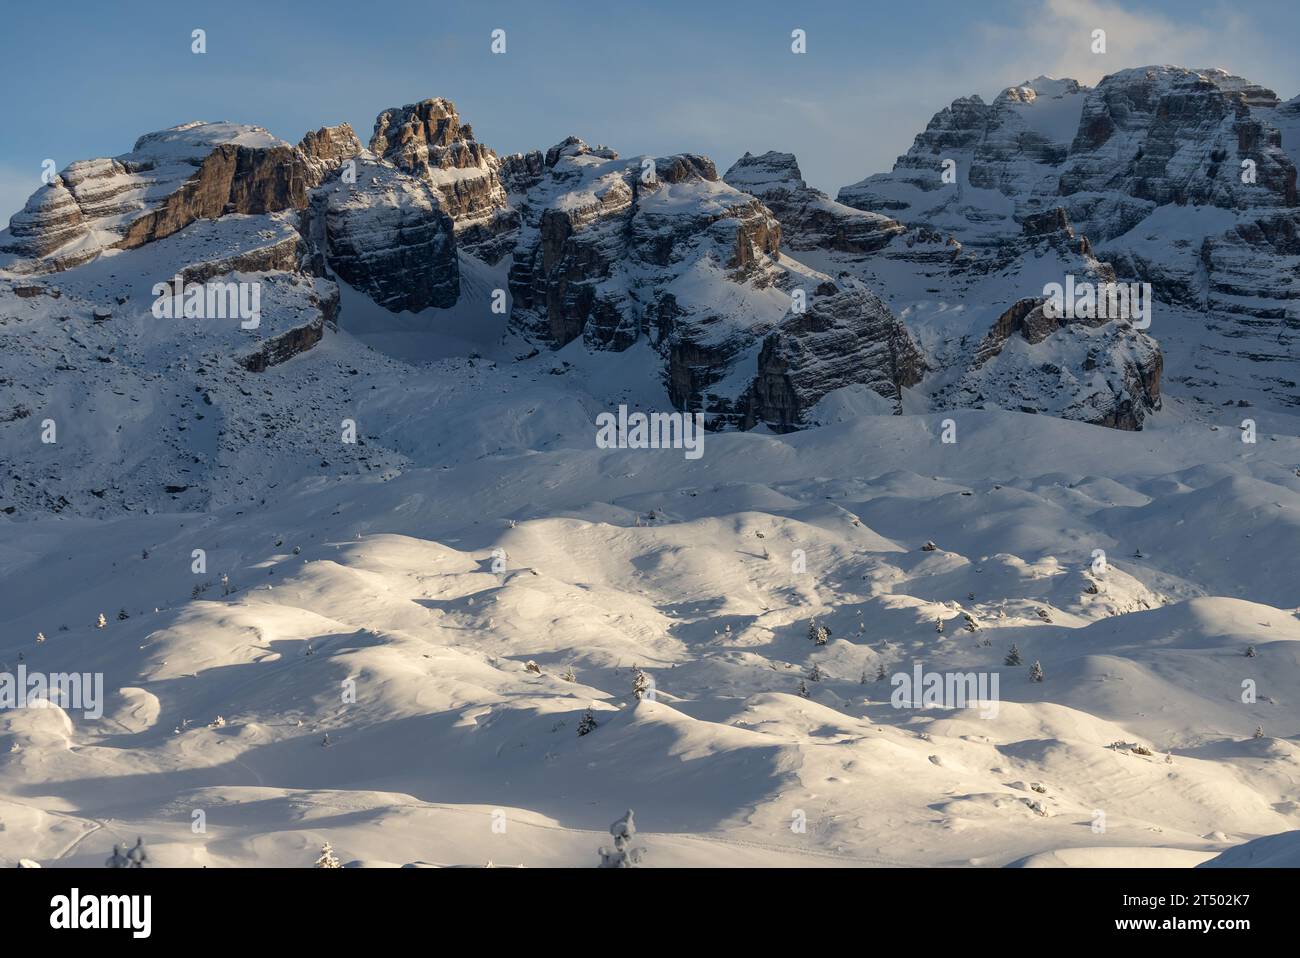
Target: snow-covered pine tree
{"type": "Point", "coordinates": [1013, 655]}
{"type": "Point", "coordinates": [588, 723]}
{"type": "Point", "coordinates": [1259, 731]}
{"type": "Point", "coordinates": [623, 854]}
{"type": "Point", "coordinates": [1250, 652]}
{"type": "Point", "coordinates": [803, 689]}
{"type": "Point", "coordinates": [102, 621]}
{"type": "Point", "coordinates": [640, 685]}
{"type": "Point", "coordinates": [816, 674]}
{"type": "Point", "coordinates": [880, 672]}
{"type": "Point", "coordinates": [327, 858]}
{"type": "Point", "coordinates": [1036, 671]}
{"type": "Point", "coordinates": [123, 615]}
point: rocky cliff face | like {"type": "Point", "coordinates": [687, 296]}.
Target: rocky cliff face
{"type": "Point", "coordinates": [387, 236]}
{"type": "Point", "coordinates": [1094, 370]}
{"type": "Point", "coordinates": [756, 296]}
{"type": "Point", "coordinates": [169, 180]}
{"type": "Point", "coordinates": [661, 251]}
{"type": "Point", "coordinates": [810, 220]}
{"type": "Point", "coordinates": [1156, 136]}
{"type": "Point", "coordinates": [381, 230]}
{"type": "Point", "coordinates": [845, 337]}
{"type": "Point", "coordinates": [429, 141]}
{"type": "Point", "coordinates": [1184, 179]}
{"type": "Point", "coordinates": [325, 150]}
{"type": "Point", "coordinates": [1002, 161]}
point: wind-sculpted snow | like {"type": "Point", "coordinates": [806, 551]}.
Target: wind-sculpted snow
{"type": "Point", "coordinates": [428, 593]}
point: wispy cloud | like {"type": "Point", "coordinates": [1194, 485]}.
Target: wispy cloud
{"type": "Point", "coordinates": [1055, 38]}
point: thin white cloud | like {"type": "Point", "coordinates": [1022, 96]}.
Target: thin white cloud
{"type": "Point", "coordinates": [1056, 39]}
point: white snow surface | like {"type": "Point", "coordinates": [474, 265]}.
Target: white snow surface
{"type": "Point", "coordinates": [610, 560]}
{"type": "Point", "coordinates": [370, 660]}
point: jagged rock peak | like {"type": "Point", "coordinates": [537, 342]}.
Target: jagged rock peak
{"type": "Point", "coordinates": [685, 167]}
{"type": "Point", "coordinates": [427, 134]}
{"type": "Point", "coordinates": [576, 146]}
{"type": "Point", "coordinates": [757, 174]}
{"type": "Point", "coordinates": [1039, 87]}
{"type": "Point", "coordinates": [330, 144]}
{"type": "Point", "coordinates": [810, 220]}
{"type": "Point", "coordinates": [429, 141]}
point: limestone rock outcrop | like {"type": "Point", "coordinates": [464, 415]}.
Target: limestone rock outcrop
{"type": "Point", "coordinates": [387, 236]}
{"type": "Point", "coordinates": [428, 141]}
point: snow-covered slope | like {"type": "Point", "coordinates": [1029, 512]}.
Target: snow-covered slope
{"type": "Point", "coordinates": [391, 643]}
{"type": "Point", "coordinates": [429, 592]}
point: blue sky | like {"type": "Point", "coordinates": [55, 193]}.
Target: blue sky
{"type": "Point", "coordinates": [84, 79]}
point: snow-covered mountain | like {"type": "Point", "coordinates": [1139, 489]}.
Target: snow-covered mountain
{"type": "Point", "coordinates": [365, 573]}
{"type": "Point", "coordinates": [1184, 179]}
